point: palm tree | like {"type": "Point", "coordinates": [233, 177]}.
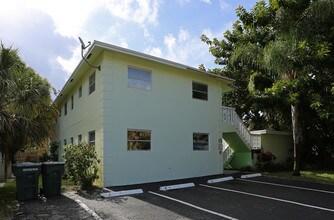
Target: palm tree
{"type": "Point", "coordinates": [27, 116]}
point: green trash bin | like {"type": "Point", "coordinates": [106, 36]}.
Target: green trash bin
{"type": "Point", "coordinates": [26, 180]}
{"type": "Point", "coordinates": [52, 173]}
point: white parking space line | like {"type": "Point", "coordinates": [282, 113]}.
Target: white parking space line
{"type": "Point", "coordinates": [193, 206]}
{"type": "Point", "coordinates": [288, 186]}
{"type": "Point", "coordinates": [90, 211]}
{"type": "Point", "coordinates": [268, 197]}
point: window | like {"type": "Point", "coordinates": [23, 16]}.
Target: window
{"type": "Point", "coordinates": [65, 142]}
{"type": "Point", "coordinates": [139, 140]}
{"type": "Point", "coordinates": [71, 140]}
{"type": "Point", "coordinates": [59, 112]}
{"type": "Point", "coordinates": [72, 102]}
{"type": "Point", "coordinates": [65, 109]}
{"type": "Point", "coordinates": [79, 138]}
{"type": "Point", "coordinates": [200, 91]}
{"type": "Point", "coordinates": [91, 138]}
{"type": "Point", "coordinates": [92, 83]}
{"type": "Point", "coordinates": [140, 79]}
{"type": "Point", "coordinates": [80, 91]}
{"type": "Point", "coordinates": [200, 141]}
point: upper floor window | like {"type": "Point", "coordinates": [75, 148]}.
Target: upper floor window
{"type": "Point", "coordinates": [140, 79]}
{"type": "Point", "coordinates": [200, 91]}
{"type": "Point", "coordinates": [80, 91]}
{"type": "Point", "coordinates": [91, 138]}
{"type": "Point", "coordinates": [139, 140]}
{"type": "Point", "coordinates": [92, 83]}
{"type": "Point", "coordinates": [65, 143]}
{"type": "Point", "coordinates": [72, 102]}
{"type": "Point", "coordinates": [79, 138]}
{"type": "Point", "coordinates": [65, 108]}
{"type": "Point", "coordinates": [200, 141]}
{"type": "Point", "coordinates": [71, 140]}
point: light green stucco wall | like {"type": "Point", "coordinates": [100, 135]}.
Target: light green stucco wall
{"type": "Point", "coordinates": [279, 145]}
{"type": "Point", "coordinates": [86, 115]}
{"type": "Point", "coordinates": [241, 159]}
{"type": "Point", "coordinates": [170, 112]}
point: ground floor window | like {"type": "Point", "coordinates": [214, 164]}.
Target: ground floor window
{"type": "Point", "coordinates": [200, 141]}
{"type": "Point", "coordinates": [91, 138]}
{"type": "Point", "coordinates": [139, 140]}
{"type": "Point", "coordinates": [79, 138]}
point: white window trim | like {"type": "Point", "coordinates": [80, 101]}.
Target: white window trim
{"type": "Point", "coordinates": [200, 83]}
{"type": "Point", "coordinates": [202, 133]}
{"type": "Point", "coordinates": [89, 83]}
{"type": "Point", "coordinates": [89, 142]}
{"type": "Point", "coordinates": [140, 130]}
{"type": "Point", "coordinates": [141, 69]}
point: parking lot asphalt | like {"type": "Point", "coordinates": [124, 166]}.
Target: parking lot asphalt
{"type": "Point", "coordinates": [252, 198]}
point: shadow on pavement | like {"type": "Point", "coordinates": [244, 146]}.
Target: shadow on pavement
{"type": "Point", "coordinates": [56, 207]}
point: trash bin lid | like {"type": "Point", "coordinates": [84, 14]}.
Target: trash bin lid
{"type": "Point", "coordinates": [53, 163]}
{"type": "Point", "coordinates": [26, 164]}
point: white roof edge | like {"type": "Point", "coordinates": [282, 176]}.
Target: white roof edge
{"type": "Point", "coordinates": [268, 131]}
{"type": "Point", "coordinates": [107, 46]}
{"type": "Point", "coordinates": [158, 59]}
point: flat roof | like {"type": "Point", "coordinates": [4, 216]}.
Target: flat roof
{"type": "Point", "coordinates": [269, 131]}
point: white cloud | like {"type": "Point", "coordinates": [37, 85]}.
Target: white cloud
{"type": "Point", "coordinates": [138, 11]}
{"type": "Point", "coordinates": [155, 51]}
{"type": "Point", "coordinates": [68, 16]}
{"type": "Point", "coordinates": [123, 43]}
{"type": "Point", "coordinates": [169, 41]}
{"type": "Point", "coordinates": [183, 2]}
{"type": "Point", "coordinates": [207, 1]}
{"type": "Point", "coordinates": [183, 48]}
{"type": "Point", "coordinates": [68, 65]}
{"type": "Point", "coordinates": [183, 35]}
{"type": "Point", "coordinates": [223, 4]}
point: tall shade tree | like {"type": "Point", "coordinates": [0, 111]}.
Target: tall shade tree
{"type": "Point", "coordinates": [285, 46]}
{"type": "Point", "coordinates": [27, 116]}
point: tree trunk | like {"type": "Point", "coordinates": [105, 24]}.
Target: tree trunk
{"type": "Point", "coordinates": [296, 133]}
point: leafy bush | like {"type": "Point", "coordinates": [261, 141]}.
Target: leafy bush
{"type": "Point", "coordinates": [266, 157]}
{"type": "Point", "coordinates": [265, 161]}
{"type": "Point", "coordinates": [51, 154]}
{"type": "Point", "coordinates": [81, 164]}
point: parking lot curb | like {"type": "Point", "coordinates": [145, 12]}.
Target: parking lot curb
{"type": "Point", "coordinates": [120, 193]}
{"type": "Point", "coordinates": [250, 175]}
{"type": "Point", "coordinates": [177, 186]}
{"type": "Point", "coordinates": [218, 180]}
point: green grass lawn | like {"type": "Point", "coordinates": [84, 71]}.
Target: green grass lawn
{"type": "Point", "coordinates": [326, 177]}
{"type": "Point", "coordinates": [7, 199]}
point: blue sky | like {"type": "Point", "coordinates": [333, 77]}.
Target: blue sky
{"type": "Point", "coordinates": [46, 31]}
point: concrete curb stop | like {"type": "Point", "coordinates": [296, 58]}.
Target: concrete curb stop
{"type": "Point", "coordinates": [120, 193]}
{"type": "Point", "coordinates": [177, 186]}
{"type": "Point", "coordinates": [223, 179]}
{"type": "Point", "coordinates": [250, 175]}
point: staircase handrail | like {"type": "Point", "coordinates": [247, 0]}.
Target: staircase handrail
{"type": "Point", "coordinates": [231, 117]}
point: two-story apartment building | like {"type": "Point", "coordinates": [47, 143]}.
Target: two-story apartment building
{"type": "Point", "coordinates": [150, 119]}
